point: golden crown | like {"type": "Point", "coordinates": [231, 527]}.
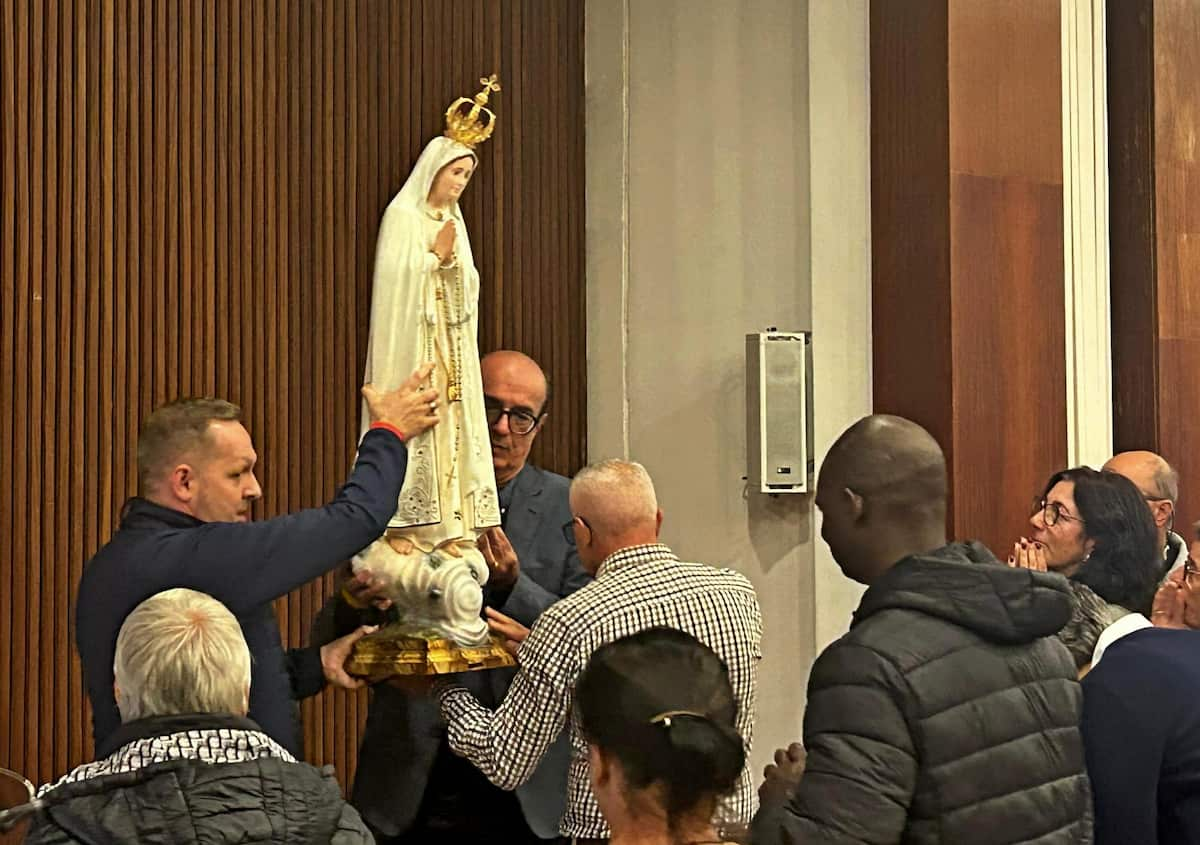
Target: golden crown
{"type": "Point", "coordinates": [475, 125]}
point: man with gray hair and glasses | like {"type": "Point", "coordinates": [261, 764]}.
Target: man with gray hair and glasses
{"type": "Point", "coordinates": [185, 757]}
{"type": "Point", "coordinates": [639, 584]}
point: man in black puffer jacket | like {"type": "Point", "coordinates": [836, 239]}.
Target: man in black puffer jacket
{"type": "Point", "coordinates": [186, 765]}
{"type": "Point", "coordinates": [948, 713]}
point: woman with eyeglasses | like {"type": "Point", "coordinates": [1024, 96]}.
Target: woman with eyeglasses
{"type": "Point", "coordinates": [658, 711]}
{"type": "Point", "coordinates": [1094, 527]}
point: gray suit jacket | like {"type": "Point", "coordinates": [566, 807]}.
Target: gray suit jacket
{"type": "Point", "coordinates": [403, 732]}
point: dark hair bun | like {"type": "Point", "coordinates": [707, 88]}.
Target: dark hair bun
{"type": "Point", "coordinates": [703, 758]}
{"type": "Point", "coordinates": [661, 703]}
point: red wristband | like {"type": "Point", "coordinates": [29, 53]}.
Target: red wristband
{"type": "Point", "coordinates": [387, 426]}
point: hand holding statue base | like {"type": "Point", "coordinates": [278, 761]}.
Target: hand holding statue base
{"type": "Point", "coordinates": [438, 594]}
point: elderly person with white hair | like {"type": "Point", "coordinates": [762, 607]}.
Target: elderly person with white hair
{"type": "Point", "coordinates": [639, 584]}
{"type": "Point", "coordinates": [186, 765]}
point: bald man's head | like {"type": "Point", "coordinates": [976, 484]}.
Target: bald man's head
{"type": "Point", "coordinates": [890, 458]}
{"type": "Point", "coordinates": [1157, 481]}
{"type": "Point", "coordinates": [1148, 471]}
{"type": "Point", "coordinates": [882, 495]}
{"type": "Point", "coordinates": [513, 381]}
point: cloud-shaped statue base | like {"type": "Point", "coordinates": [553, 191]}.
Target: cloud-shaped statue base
{"type": "Point", "coordinates": [439, 589]}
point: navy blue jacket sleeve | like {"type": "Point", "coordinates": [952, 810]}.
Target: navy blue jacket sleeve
{"type": "Point", "coordinates": [305, 671]}
{"type": "Point", "coordinates": [247, 565]}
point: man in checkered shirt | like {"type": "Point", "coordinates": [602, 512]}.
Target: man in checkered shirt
{"type": "Point", "coordinates": [639, 584]}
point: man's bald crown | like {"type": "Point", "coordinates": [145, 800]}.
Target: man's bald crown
{"type": "Point", "coordinates": [1149, 471]}
{"type": "Point", "coordinates": [889, 459]}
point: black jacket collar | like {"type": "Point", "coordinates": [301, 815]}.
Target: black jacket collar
{"type": "Point", "coordinates": [142, 513]}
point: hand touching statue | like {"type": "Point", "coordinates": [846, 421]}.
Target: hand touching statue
{"type": "Point", "coordinates": [409, 408]}
{"type": "Point", "coordinates": [501, 558]}
{"type": "Point", "coordinates": [512, 632]}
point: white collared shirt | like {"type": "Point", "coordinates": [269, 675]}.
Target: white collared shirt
{"type": "Point", "coordinates": [1123, 626]}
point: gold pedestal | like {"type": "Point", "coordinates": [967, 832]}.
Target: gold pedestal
{"type": "Point", "coordinates": [396, 650]}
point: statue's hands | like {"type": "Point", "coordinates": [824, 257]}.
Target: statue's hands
{"type": "Point", "coordinates": [362, 589]}
{"type": "Point", "coordinates": [508, 629]}
{"type": "Point", "coordinates": [501, 558]}
{"type": "Point", "coordinates": [335, 654]}
{"type": "Point", "coordinates": [443, 244]}
{"type": "Point", "coordinates": [408, 408]}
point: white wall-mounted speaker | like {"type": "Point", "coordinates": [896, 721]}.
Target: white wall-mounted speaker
{"type": "Point", "coordinates": [779, 411]}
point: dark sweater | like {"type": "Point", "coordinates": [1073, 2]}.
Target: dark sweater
{"type": "Point", "coordinates": [1141, 732]}
{"type": "Point", "coordinates": [246, 566]}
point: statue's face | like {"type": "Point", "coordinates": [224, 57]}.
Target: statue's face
{"type": "Point", "coordinates": [451, 181]}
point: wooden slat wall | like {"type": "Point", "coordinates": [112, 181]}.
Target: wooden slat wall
{"type": "Point", "coordinates": [191, 192]}
{"type": "Point", "coordinates": [967, 240]}
{"type": "Point", "coordinates": [1152, 126]}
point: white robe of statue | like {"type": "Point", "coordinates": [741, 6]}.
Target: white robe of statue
{"type": "Point", "coordinates": [421, 312]}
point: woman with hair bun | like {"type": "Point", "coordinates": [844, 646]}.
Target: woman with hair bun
{"type": "Point", "coordinates": [658, 712]}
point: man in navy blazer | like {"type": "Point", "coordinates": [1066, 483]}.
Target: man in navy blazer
{"type": "Point", "coordinates": [409, 786]}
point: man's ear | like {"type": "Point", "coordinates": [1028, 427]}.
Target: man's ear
{"type": "Point", "coordinates": [1164, 511]}
{"type": "Point", "coordinates": [658, 518]}
{"type": "Point", "coordinates": [856, 503]}
{"type": "Point", "coordinates": [182, 483]}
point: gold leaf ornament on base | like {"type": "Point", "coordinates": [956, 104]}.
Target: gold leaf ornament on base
{"type": "Point", "coordinates": [396, 650]}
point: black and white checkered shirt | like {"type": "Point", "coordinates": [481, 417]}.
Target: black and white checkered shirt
{"type": "Point", "coordinates": [636, 588]}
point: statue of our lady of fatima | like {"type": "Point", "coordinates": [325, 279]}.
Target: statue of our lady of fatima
{"type": "Point", "coordinates": [424, 308]}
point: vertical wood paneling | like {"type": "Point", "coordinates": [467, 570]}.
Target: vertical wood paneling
{"type": "Point", "coordinates": [190, 196]}
{"type": "Point", "coordinates": [1155, 228]}
{"type": "Point", "coordinates": [967, 224]}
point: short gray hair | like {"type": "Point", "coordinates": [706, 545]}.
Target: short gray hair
{"type": "Point", "coordinates": [181, 651]}
{"type": "Point", "coordinates": [621, 495]}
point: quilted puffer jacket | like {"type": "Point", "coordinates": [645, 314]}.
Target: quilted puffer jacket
{"type": "Point", "coordinates": [187, 801]}
{"type": "Point", "coordinates": [947, 714]}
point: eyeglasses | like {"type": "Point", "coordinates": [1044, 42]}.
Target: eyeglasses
{"type": "Point", "coordinates": [569, 529]}
{"type": "Point", "coordinates": [1190, 570]}
{"type": "Point", "coordinates": [1052, 512]}
{"type": "Point", "coordinates": [520, 421]}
